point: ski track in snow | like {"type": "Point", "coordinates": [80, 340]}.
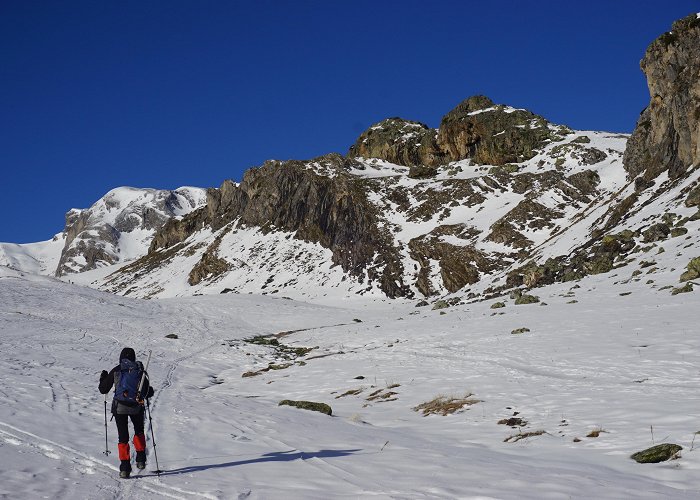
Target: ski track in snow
{"type": "Point", "coordinates": [87, 464]}
{"type": "Point", "coordinates": [594, 364]}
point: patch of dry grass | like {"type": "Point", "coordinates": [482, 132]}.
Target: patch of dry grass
{"type": "Point", "coordinates": [522, 435]}
{"type": "Point", "coordinates": [351, 392]}
{"type": "Point", "coordinates": [595, 433]}
{"type": "Point", "coordinates": [382, 396]}
{"type": "Point", "coordinates": [444, 405]}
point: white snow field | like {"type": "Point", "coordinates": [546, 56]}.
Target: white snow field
{"type": "Point", "coordinates": [618, 364]}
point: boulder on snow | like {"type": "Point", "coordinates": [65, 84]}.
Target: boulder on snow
{"type": "Point", "coordinates": [421, 172]}
{"type": "Point", "coordinates": [678, 231]}
{"type": "Point", "coordinates": [693, 199]}
{"type": "Point", "coordinates": [308, 405]}
{"type": "Point", "coordinates": [656, 454]}
{"type": "Point", "coordinates": [440, 304]}
{"type": "Point", "coordinates": [518, 331]}
{"type": "Point", "coordinates": [527, 299]}
{"type": "Point", "coordinates": [693, 271]}
{"type": "Point", "coordinates": [656, 232]}
{"type": "Point", "coordinates": [688, 287]}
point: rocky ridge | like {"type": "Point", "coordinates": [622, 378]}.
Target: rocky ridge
{"type": "Point", "coordinates": [387, 231]}
{"type": "Point", "coordinates": [495, 198]}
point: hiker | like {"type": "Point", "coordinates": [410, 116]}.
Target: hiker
{"type": "Point", "coordinates": [128, 403]}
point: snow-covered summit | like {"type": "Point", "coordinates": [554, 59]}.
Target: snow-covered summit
{"type": "Point", "coordinates": [117, 228]}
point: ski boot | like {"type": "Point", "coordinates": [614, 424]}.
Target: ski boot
{"type": "Point", "coordinates": [140, 459]}
{"type": "Point", "coordinates": [124, 469]}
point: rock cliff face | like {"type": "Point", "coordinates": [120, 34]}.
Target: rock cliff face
{"type": "Point", "coordinates": [667, 136]}
{"type": "Point", "coordinates": [491, 134]}
{"type": "Point", "coordinates": [399, 141]}
{"type": "Point", "coordinates": [293, 196]}
{"type": "Point", "coordinates": [477, 129]}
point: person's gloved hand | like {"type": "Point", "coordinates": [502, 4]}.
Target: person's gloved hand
{"type": "Point", "coordinates": [103, 375]}
{"type": "Point", "coordinates": [150, 393]}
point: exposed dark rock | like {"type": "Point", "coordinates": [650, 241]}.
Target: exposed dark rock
{"type": "Point", "coordinates": [619, 211]}
{"type": "Point", "coordinates": [586, 181]}
{"type": "Point", "coordinates": [490, 134]}
{"type": "Point", "coordinates": [518, 331]}
{"type": "Point", "coordinates": [459, 264]}
{"type": "Point", "coordinates": [668, 130]}
{"type": "Point", "coordinates": [308, 405]}
{"type": "Point", "coordinates": [688, 287]}
{"type": "Point", "coordinates": [477, 129]}
{"type": "Point", "coordinates": [582, 154]}
{"type": "Point", "coordinates": [598, 256]}
{"type": "Point", "coordinates": [440, 304]}
{"type": "Point", "coordinates": [330, 210]}
{"type": "Point", "coordinates": [503, 232]}
{"type": "Point", "coordinates": [527, 299]}
{"type": "Point", "coordinates": [209, 267]}
{"type": "Point", "coordinates": [640, 184]}
{"type": "Point", "coordinates": [656, 454]}
{"type": "Point", "coordinates": [656, 232]}
{"type": "Point", "coordinates": [399, 141]}
{"type": "Point", "coordinates": [421, 172]}
{"type": "Point", "coordinates": [693, 270]}
{"type": "Point", "coordinates": [532, 215]}
{"type": "Point", "coordinates": [678, 231]}
{"type": "Point", "coordinates": [693, 199]}
{"type": "Point", "coordinates": [513, 422]}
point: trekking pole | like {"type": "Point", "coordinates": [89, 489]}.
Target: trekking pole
{"type": "Point", "coordinates": [106, 452]}
{"type": "Point", "coordinates": [153, 437]}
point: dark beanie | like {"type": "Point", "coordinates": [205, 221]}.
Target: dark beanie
{"type": "Point", "coordinates": [128, 353]}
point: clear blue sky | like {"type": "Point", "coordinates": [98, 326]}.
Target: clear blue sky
{"type": "Point", "coordinates": [100, 94]}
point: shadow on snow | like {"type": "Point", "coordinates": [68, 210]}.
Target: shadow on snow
{"type": "Point", "coordinates": [278, 456]}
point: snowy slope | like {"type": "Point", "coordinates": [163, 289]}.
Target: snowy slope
{"type": "Point", "coordinates": [37, 258]}
{"type": "Point", "coordinates": [117, 228]}
{"type": "Point", "coordinates": [475, 199]}
{"type": "Point", "coordinates": [594, 364]}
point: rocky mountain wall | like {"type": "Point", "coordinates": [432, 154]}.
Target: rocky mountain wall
{"type": "Point", "coordinates": [289, 196]}
{"type": "Point", "coordinates": [667, 135]}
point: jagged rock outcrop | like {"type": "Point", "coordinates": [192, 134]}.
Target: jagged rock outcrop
{"type": "Point", "coordinates": [290, 196]}
{"type": "Point", "coordinates": [399, 141]}
{"type": "Point", "coordinates": [491, 134]}
{"type": "Point", "coordinates": [667, 135]}
{"type": "Point", "coordinates": [477, 129]}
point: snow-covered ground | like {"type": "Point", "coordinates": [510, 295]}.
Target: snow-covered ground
{"type": "Point", "coordinates": [37, 258]}
{"type": "Point", "coordinates": [619, 364]}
